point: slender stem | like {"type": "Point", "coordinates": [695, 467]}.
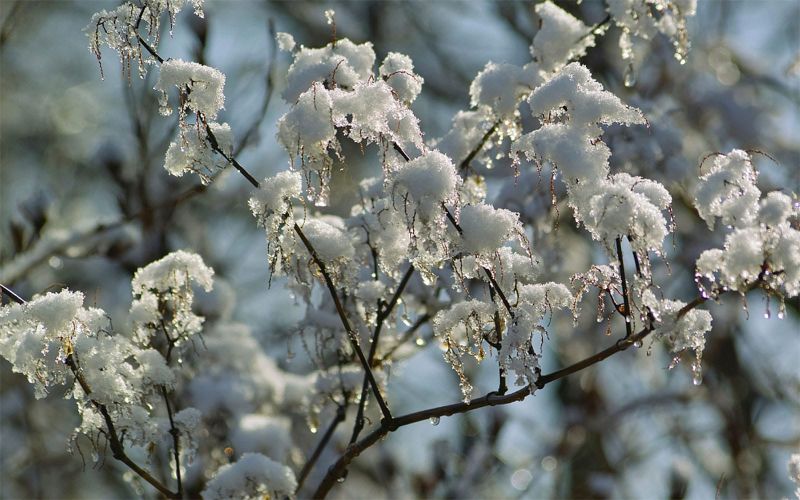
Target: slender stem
{"type": "Point", "coordinates": [499, 292]}
{"type": "Point", "coordinates": [329, 283]}
{"type": "Point", "coordinates": [117, 448]}
{"type": "Point", "coordinates": [338, 469]}
{"type": "Point", "coordinates": [4, 290]}
{"type": "Point", "coordinates": [489, 274]}
{"type": "Point", "coordinates": [421, 320]}
{"type": "Point", "coordinates": [400, 150]}
{"type": "Point", "coordinates": [373, 348]}
{"type": "Point", "coordinates": [326, 276]}
{"type": "Point", "coordinates": [498, 327]}
{"type": "Point", "coordinates": [393, 301]}
{"type": "Point", "coordinates": [351, 334]}
{"type": "Point", "coordinates": [172, 429]}
{"type": "Point", "coordinates": [212, 139]}
{"type": "Point", "coordinates": [635, 258]}
{"type": "Point", "coordinates": [492, 399]}
{"type": "Point", "coordinates": [175, 433]}
{"type": "Point", "coordinates": [341, 412]}
{"type": "Point", "coordinates": [150, 49]}
{"type": "Point", "coordinates": [626, 313]}
{"type": "Point", "coordinates": [477, 149]}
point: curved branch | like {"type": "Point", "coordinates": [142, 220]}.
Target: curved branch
{"type": "Point", "coordinates": [351, 334]}
{"type": "Point", "coordinates": [117, 448]}
{"type": "Point", "coordinates": [338, 469]}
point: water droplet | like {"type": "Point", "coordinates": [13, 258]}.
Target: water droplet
{"type": "Point", "coordinates": [766, 314]}
{"type": "Point", "coordinates": [697, 370]}
{"type": "Point", "coordinates": [630, 76]}
{"type": "Point", "coordinates": [781, 314]}
{"type": "Point", "coordinates": [637, 344]}
{"type": "Point", "coordinates": [434, 420]}
{"type": "Point", "coordinates": [420, 341]}
{"type": "Point", "coordinates": [340, 479]}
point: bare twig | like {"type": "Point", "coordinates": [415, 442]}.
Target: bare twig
{"type": "Point", "coordinates": [4, 290]}
{"type": "Point", "coordinates": [478, 147]}
{"type": "Point", "coordinates": [341, 412]}
{"type": "Point", "coordinates": [150, 49]}
{"type": "Point", "coordinates": [351, 334]}
{"type": "Point", "coordinates": [626, 312]}
{"type": "Point", "coordinates": [338, 469]}
{"type": "Point", "coordinates": [175, 433]}
{"type": "Point", "coordinates": [117, 447]}
{"type": "Point", "coordinates": [492, 399]}
{"type": "Point", "coordinates": [373, 348]}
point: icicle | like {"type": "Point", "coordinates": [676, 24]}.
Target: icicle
{"type": "Point", "coordinates": [630, 76]}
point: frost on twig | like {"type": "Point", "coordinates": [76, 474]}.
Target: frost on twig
{"type": "Point", "coordinates": [192, 152]}
{"type": "Point", "coordinates": [200, 87]}
{"type": "Point", "coordinates": [334, 88]}
{"type": "Point", "coordinates": [680, 332]}
{"type": "Point", "coordinates": [119, 29]}
{"type": "Point", "coordinates": [561, 37]}
{"type": "Point", "coordinates": [163, 297]}
{"type": "Point", "coordinates": [37, 336]}
{"type": "Point", "coordinates": [572, 106]}
{"type": "Point", "coordinates": [763, 243]}
{"type": "Point", "coordinates": [119, 380]}
{"type": "Point", "coordinates": [460, 330]}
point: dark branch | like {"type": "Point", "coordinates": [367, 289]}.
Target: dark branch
{"type": "Point", "coordinates": [472, 154]}
{"type": "Point", "coordinates": [351, 334]}
{"type": "Point", "coordinates": [4, 290]}
{"type": "Point", "coordinates": [150, 49]}
{"type": "Point", "coordinates": [175, 433]}
{"type": "Point", "coordinates": [312, 460]}
{"type": "Point", "coordinates": [117, 448]}
{"type": "Point", "coordinates": [626, 312]}
{"type": "Point", "coordinates": [373, 348]}
{"type": "Point", "coordinates": [338, 469]}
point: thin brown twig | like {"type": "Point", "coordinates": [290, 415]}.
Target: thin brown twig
{"type": "Point", "coordinates": [351, 334]}
{"type": "Point", "coordinates": [383, 314]}
{"type": "Point", "coordinates": [149, 49]}
{"type": "Point", "coordinates": [117, 447]}
{"type": "Point", "coordinates": [341, 412]}
{"type": "Point", "coordinates": [338, 469]}
{"type": "Point", "coordinates": [489, 274]}
{"type": "Point", "coordinates": [421, 320]}
{"type": "Point", "coordinates": [492, 399]}
{"type": "Point", "coordinates": [175, 433]}
{"type": "Point", "coordinates": [626, 313]}
{"type": "Point", "coordinates": [477, 149]}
